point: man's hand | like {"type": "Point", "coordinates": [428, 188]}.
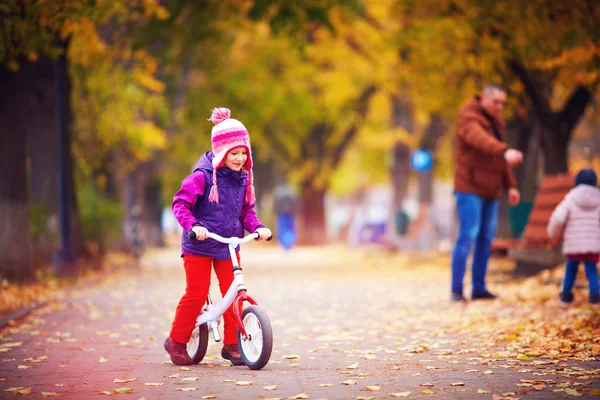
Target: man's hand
{"type": "Point", "coordinates": [201, 232]}
{"type": "Point", "coordinates": [264, 233]}
{"type": "Point", "coordinates": [513, 196]}
{"type": "Point", "coordinates": [513, 157]}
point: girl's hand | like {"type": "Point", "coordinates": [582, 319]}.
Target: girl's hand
{"type": "Point", "coordinates": [264, 233]}
{"type": "Point", "coordinates": [201, 232]}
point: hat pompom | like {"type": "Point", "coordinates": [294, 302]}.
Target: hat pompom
{"type": "Point", "coordinates": [219, 114]}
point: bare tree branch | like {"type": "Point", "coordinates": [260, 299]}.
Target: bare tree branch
{"type": "Point", "coordinates": [540, 103]}
{"type": "Point", "coordinates": [575, 107]}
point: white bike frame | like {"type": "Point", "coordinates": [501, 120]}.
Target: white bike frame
{"type": "Point", "coordinates": [213, 311]}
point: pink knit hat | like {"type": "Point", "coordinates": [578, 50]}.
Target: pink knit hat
{"type": "Point", "coordinates": [227, 134]}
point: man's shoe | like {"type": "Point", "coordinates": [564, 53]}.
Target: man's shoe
{"type": "Point", "coordinates": [178, 352]}
{"type": "Point", "coordinates": [566, 298]}
{"type": "Point", "coordinates": [232, 353]}
{"type": "Point", "coordinates": [594, 298]}
{"type": "Point", "coordinates": [485, 295]}
{"type": "Point", "coordinates": [458, 296]}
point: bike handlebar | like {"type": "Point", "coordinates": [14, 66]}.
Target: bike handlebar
{"type": "Point", "coordinates": [255, 235]}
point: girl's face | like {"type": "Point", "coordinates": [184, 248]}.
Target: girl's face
{"type": "Point", "coordinates": [236, 158]}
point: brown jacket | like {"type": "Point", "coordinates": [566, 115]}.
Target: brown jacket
{"type": "Point", "coordinates": [479, 166]}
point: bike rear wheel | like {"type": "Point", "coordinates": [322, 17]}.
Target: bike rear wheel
{"type": "Point", "coordinates": [198, 344]}
{"type": "Point", "coordinates": [256, 349]}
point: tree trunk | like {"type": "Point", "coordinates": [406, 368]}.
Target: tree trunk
{"type": "Point", "coordinates": [557, 126]}
{"type": "Point", "coordinates": [152, 215]}
{"type": "Point", "coordinates": [42, 139]}
{"type": "Point", "coordinates": [16, 261]}
{"type": "Point", "coordinates": [402, 116]}
{"type": "Point", "coordinates": [555, 144]}
{"type": "Point", "coordinates": [311, 229]}
{"type": "Point", "coordinates": [432, 135]}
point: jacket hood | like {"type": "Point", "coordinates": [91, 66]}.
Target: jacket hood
{"type": "Point", "coordinates": [585, 196]}
{"type": "Point", "coordinates": [473, 109]}
{"type": "Point", "coordinates": [205, 164]}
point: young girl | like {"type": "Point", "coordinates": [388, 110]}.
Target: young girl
{"type": "Point", "coordinates": [217, 197]}
{"type": "Point", "coordinates": [579, 214]}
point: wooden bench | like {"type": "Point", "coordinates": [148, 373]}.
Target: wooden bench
{"type": "Point", "coordinates": [535, 252]}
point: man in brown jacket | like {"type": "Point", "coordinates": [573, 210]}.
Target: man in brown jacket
{"type": "Point", "coordinates": [482, 169]}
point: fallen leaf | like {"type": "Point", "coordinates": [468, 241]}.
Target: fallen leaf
{"type": "Point", "coordinates": [190, 379]}
{"type": "Point", "coordinates": [291, 357]}
{"type": "Point", "coordinates": [481, 391]}
{"type": "Point", "coordinates": [154, 384]}
{"type": "Point", "coordinates": [594, 392]}
{"type": "Point", "coordinates": [124, 390]}
{"type": "Point", "coordinates": [427, 384]}
{"type": "Point", "coordinates": [106, 392]}
{"type": "Point", "coordinates": [325, 384]}
{"type": "Point", "coordinates": [427, 391]}
{"type": "Point", "coordinates": [49, 394]}
{"type": "Point", "coordinates": [102, 360]}
{"type": "Point", "coordinates": [209, 396]}
{"type": "Point", "coordinates": [349, 382]}
{"type": "Point", "coordinates": [243, 383]}
{"type": "Point", "coordinates": [488, 372]}
{"type": "Point", "coordinates": [300, 396]}
{"type": "Point", "coordinates": [189, 389]}
{"type": "Point", "coordinates": [24, 367]}
{"type": "Point", "coordinates": [365, 398]}
{"type": "Point", "coordinates": [457, 384]}
{"type": "Point", "coordinates": [352, 366]}
{"type": "Point", "coordinates": [270, 387]}
{"type": "Point", "coordinates": [372, 388]}
{"type": "Point", "coordinates": [399, 394]}
{"type": "Point", "coordinates": [117, 380]}
{"type": "Point", "coordinates": [184, 369]}
{"type": "Point", "coordinates": [228, 380]}
{"type": "Point", "coordinates": [573, 392]}
{"type": "Point", "coordinates": [25, 391]}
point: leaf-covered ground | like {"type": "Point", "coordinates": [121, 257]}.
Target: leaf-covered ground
{"type": "Point", "coordinates": [348, 324]}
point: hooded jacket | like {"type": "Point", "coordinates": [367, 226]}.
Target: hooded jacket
{"type": "Point", "coordinates": [479, 166]}
{"type": "Point", "coordinates": [579, 214]}
{"type": "Point", "coordinates": [229, 217]}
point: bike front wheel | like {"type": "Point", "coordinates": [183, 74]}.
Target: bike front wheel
{"type": "Point", "coordinates": [256, 349]}
{"type": "Point", "coordinates": [198, 344]}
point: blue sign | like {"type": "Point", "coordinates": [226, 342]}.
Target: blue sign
{"type": "Point", "coordinates": [421, 160]}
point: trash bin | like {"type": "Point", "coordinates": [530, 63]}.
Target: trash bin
{"type": "Point", "coordinates": [518, 216]}
{"type": "Point", "coordinates": [402, 222]}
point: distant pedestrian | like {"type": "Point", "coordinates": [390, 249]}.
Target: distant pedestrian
{"type": "Point", "coordinates": [286, 207]}
{"type": "Point", "coordinates": [217, 197]}
{"type": "Point", "coordinates": [579, 216]}
{"type": "Point", "coordinates": [482, 169]}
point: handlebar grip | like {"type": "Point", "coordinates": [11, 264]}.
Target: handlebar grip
{"type": "Point", "coordinates": [258, 237]}
{"type": "Point", "coordinates": [192, 235]}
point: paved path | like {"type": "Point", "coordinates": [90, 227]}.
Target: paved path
{"type": "Point", "coordinates": [347, 327]}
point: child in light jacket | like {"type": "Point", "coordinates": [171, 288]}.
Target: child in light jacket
{"type": "Point", "coordinates": [579, 215]}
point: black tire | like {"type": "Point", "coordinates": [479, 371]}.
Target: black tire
{"type": "Point", "coordinates": [197, 348]}
{"type": "Point", "coordinates": [257, 360]}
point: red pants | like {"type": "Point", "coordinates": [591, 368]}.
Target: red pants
{"type": "Point", "coordinates": [197, 280]}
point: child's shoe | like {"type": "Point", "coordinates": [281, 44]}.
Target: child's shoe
{"type": "Point", "coordinates": [566, 298]}
{"type": "Point", "coordinates": [594, 298]}
{"type": "Point", "coordinates": [232, 353]}
{"type": "Point", "coordinates": [178, 352]}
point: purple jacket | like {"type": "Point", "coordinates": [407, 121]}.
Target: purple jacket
{"type": "Point", "coordinates": [227, 218]}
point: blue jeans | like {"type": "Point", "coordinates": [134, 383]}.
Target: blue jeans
{"type": "Point", "coordinates": [591, 272]}
{"type": "Point", "coordinates": [478, 220]}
